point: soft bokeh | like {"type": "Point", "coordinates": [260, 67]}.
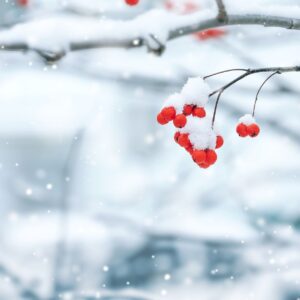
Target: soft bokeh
{"type": "Point", "coordinates": [98, 202]}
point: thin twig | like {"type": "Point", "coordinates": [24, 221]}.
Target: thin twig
{"type": "Point", "coordinates": [225, 71]}
{"type": "Point", "coordinates": [216, 107]}
{"type": "Point", "coordinates": [256, 97]}
{"type": "Point", "coordinates": [254, 71]}
{"type": "Point", "coordinates": [275, 70]}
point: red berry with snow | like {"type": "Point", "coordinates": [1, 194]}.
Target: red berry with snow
{"type": "Point", "coordinates": [169, 113]}
{"type": "Point", "coordinates": [253, 130]}
{"type": "Point", "coordinates": [180, 121]}
{"type": "Point", "coordinates": [211, 157]}
{"type": "Point", "coordinates": [199, 156]}
{"type": "Point", "coordinates": [188, 109]}
{"type": "Point", "coordinates": [184, 141]}
{"type": "Point", "coordinates": [161, 120]}
{"type": "Point", "coordinates": [199, 112]}
{"type": "Point", "coordinates": [219, 142]}
{"type": "Point", "coordinates": [242, 130]}
{"type": "Point", "coordinates": [132, 2]}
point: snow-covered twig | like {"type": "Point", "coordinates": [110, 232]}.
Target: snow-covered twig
{"type": "Point", "coordinates": [53, 38]}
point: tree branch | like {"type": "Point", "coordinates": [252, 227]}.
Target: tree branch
{"type": "Point", "coordinates": [248, 72]}
{"type": "Point", "coordinates": [222, 13]}
{"type": "Point", "coordinates": [178, 26]}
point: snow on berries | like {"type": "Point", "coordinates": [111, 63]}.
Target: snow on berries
{"type": "Point", "coordinates": [247, 126]}
{"type": "Point", "coordinates": [194, 129]}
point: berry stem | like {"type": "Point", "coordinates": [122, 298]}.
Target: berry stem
{"type": "Point", "coordinates": [225, 71]}
{"type": "Point", "coordinates": [260, 88]}
{"type": "Point", "coordinates": [216, 108]}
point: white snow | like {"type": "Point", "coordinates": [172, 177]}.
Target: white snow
{"type": "Point", "coordinates": [177, 101]}
{"type": "Point", "coordinates": [196, 91]}
{"type": "Point", "coordinates": [58, 33]}
{"type": "Point", "coordinates": [247, 119]}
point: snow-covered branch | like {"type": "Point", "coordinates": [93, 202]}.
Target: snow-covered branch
{"type": "Point", "coordinates": [53, 38]}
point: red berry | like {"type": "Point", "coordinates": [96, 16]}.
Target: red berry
{"type": "Point", "coordinates": [242, 130]}
{"type": "Point", "coordinates": [169, 113]}
{"type": "Point", "coordinates": [209, 34]}
{"type": "Point", "coordinates": [132, 2]}
{"type": "Point", "coordinates": [161, 120]}
{"type": "Point", "coordinates": [184, 140]}
{"type": "Point", "coordinates": [190, 150]}
{"type": "Point", "coordinates": [219, 142]}
{"type": "Point", "coordinates": [199, 112]}
{"type": "Point", "coordinates": [188, 109]}
{"type": "Point", "coordinates": [204, 165]}
{"type": "Point", "coordinates": [253, 130]}
{"type": "Point", "coordinates": [179, 121]}
{"type": "Point", "coordinates": [176, 136]}
{"type": "Point", "coordinates": [211, 156]}
{"type": "Point", "coordinates": [199, 156]}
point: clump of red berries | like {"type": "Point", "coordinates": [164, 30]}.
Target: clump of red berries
{"type": "Point", "coordinates": [247, 127]}
{"type": "Point", "coordinates": [132, 2]}
{"type": "Point", "coordinates": [194, 132]}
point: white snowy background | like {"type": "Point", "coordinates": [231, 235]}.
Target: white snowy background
{"type": "Point", "coordinates": [98, 202]}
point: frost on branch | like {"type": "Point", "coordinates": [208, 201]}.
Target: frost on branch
{"type": "Point", "coordinates": [195, 129]}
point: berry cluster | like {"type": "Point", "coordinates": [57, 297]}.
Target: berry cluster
{"type": "Point", "coordinates": [187, 112]}
{"type": "Point", "coordinates": [247, 127]}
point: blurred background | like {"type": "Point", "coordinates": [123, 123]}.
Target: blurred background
{"type": "Point", "coordinates": [98, 202]}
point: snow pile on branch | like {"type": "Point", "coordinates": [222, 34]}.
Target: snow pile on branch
{"type": "Point", "coordinates": [153, 29]}
{"type": "Point", "coordinates": [63, 33]}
